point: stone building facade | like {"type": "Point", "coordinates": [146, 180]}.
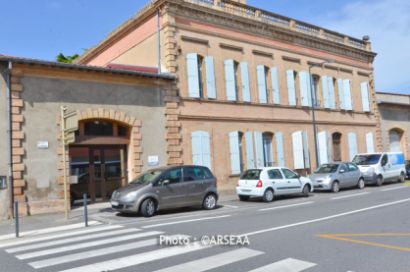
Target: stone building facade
{"type": "Point", "coordinates": [245, 82]}
{"type": "Point", "coordinates": [121, 119]}
{"type": "Point", "coordinates": [395, 121]}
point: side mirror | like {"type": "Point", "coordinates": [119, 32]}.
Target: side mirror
{"type": "Point", "coordinates": [165, 182]}
{"type": "Point", "coordinates": [384, 163]}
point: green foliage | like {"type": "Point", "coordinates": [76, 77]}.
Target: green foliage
{"type": "Point", "coordinates": [66, 59]}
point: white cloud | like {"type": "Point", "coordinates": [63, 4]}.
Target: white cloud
{"type": "Point", "coordinates": [387, 22]}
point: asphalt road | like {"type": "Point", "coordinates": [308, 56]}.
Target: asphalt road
{"type": "Point", "coordinates": [354, 230]}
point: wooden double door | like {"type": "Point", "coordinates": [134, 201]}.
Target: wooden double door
{"type": "Point", "coordinates": [97, 171]}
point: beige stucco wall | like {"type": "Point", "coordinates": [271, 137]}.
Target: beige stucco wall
{"type": "Point", "coordinates": [42, 100]}
{"type": "Point", "coordinates": [4, 155]}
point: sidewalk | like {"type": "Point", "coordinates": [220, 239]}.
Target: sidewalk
{"type": "Point", "coordinates": [76, 216]}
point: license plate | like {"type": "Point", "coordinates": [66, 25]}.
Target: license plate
{"type": "Point", "coordinates": [114, 203]}
{"type": "Point", "coordinates": [245, 190]}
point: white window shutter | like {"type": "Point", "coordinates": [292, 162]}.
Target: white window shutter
{"type": "Point", "coordinates": [323, 147]}
{"type": "Point", "coordinates": [230, 80]}
{"type": "Point", "coordinates": [304, 88]}
{"type": "Point", "coordinates": [290, 77]}
{"type": "Point", "coordinates": [261, 75]}
{"type": "Point", "coordinates": [210, 77]}
{"type": "Point", "coordinates": [364, 88]}
{"type": "Point", "coordinates": [196, 148]}
{"type": "Point", "coordinates": [352, 145]}
{"type": "Point", "coordinates": [306, 150]}
{"type": "Point", "coordinates": [206, 149]}
{"type": "Point", "coordinates": [325, 89]}
{"type": "Point", "coordinates": [341, 89]}
{"type": "Point", "coordinates": [331, 91]}
{"type": "Point", "coordinates": [193, 76]}
{"type": "Point", "coordinates": [234, 152]}
{"type": "Point", "coordinates": [298, 157]}
{"type": "Point", "coordinates": [279, 149]}
{"type": "Point", "coordinates": [250, 157]}
{"type": "Point", "coordinates": [246, 93]}
{"type": "Point", "coordinates": [275, 85]}
{"type": "Point", "coordinates": [347, 94]}
{"type": "Point", "coordinates": [369, 142]}
{"type": "Point", "coordinates": [259, 148]}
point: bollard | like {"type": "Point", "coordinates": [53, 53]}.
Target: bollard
{"type": "Point", "coordinates": [16, 217]}
{"type": "Point", "coordinates": [85, 210]}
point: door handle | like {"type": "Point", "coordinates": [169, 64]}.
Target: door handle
{"type": "Point", "coordinates": [288, 181]}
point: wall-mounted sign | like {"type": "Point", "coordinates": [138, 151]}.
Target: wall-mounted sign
{"type": "Point", "coordinates": [42, 144]}
{"type": "Point", "coordinates": [3, 182]}
{"type": "Point", "coordinates": [153, 160]}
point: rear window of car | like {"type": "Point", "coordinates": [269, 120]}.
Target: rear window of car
{"type": "Point", "coordinates": [253, 174]}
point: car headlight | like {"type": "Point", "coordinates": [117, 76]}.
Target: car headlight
{"type": "Point", "coordinates": [130, 196]}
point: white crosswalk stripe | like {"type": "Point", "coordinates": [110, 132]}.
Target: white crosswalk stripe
{"type": "Point", "coordinates": [287, 265]}
{"type": "Point", "coordinates": [114, 247]}
{"type": "Point", "coordinates": [65, 241]}
{"type": "Point", "coordinates": [86, 245]}
{"type": "Point", "coordinates": [22, 241]}
{"type": "Point", "coordinates": [215, 261]}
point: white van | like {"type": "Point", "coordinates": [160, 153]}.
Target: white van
{"type": "Point", "coordinates": [379, 167]}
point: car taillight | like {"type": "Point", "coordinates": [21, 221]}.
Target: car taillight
{"type": "Point", "coordinates": [259, 184]}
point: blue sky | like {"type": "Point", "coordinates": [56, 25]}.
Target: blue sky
{"type": "Point", "coordinates": [42, 29]}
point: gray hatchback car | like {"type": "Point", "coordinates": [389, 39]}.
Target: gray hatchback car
{"type": "Point", "coordinates": [334, 176]}
{"type": "Point", "coordinates": [165, 188]}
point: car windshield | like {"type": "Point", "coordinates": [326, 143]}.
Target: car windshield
{"type": "Point", "coordinates": [366, 159]}
{"type": "Point", "coordinates": [251, 174]}
{"type": "Point", "coordinates": [327, 169]}
{"type": "Point", "coordinates": [147, 177]}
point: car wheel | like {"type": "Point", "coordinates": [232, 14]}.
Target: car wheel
{"type": "Point", "coordinates": [148, 207]}
{"type": "Point", "coordinates": [360, 184]}
{"type": "Point", "coordinates": [335, 187]}
{"type": "Point", "coordinates": [268, 195]}
{"type": "Point", "coordinates": [243, 197]}
{"type": "Point", "coordinates": [379, 180]}
{"type": "Point", "coordinates": [306, 191]}
{"type": "Point", "coordinates": [402, 177]}
{"type": "Point", "coordinates": [209, 202]}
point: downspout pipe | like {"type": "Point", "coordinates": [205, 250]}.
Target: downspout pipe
{"type": "Point", "coordinates": [159, 40]}
{"type": "Point", "coordinates": [10, 138]}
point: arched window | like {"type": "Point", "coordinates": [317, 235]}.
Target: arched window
{"type": "Point", "coordinates": [102, 128]}
{"type": "Point", "coordinates": [395, 140]}
{"type": "Point", "coordinates": [336, 146]}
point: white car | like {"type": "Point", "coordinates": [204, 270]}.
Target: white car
{"type": "Point", "coordinates": [271, 181]}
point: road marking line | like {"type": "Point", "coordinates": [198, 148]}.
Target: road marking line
{"type": "Point", "coordinates": [387, 234]}
{"type": "Point", "coordinates": [393, 188]}
{"type": "Point", "coordinates": [60, 235]}
{"type": "Point", "coordinates": [97, 253]}
{"type": "Point", "coordinates": [48, 230]}
{"type": "Point", "coordinates": [86, 245]}
{"type": "Point", "coordinates": [213, 262]}
{"type": "Point", "coordinates": [334, 237]}
{"type": "Point", "coordinates": [231, 206]}
{"type": "Point", "coordinates": [66, 241]}
{"type": "Point", "coordinates": [326, 218]}
{"type": "Point", "coordinates": [286, 265]}
{"type": "Point", "coordinates": [185, 221]}
{"type": "Point", "coordinates": [349, 196]}
{"type": "Point", "coordinates": [140, 258]}
{"type": "Point", "coordinates": [287, 206]}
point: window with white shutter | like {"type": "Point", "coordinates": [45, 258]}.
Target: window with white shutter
{"type": "Point", "coordinates": [235, 152]}
{"type": "Point", "coordinates": [323, 144]}
{"type": "Point", "coordinates": [279, 149]}
{"type": "Point", "coordinates": [259, 148]}
{"type": "Point", "coordinates": [352, 139]}
{"type": "Point", "coordinates": [364, 88]}
{"type": "Point", "coordinates": [305, 92]}
{"type": "Point", "coordinates": [340, 88]}
{"type": "Point", "coordinates": [290, 78]}
{"type": "Point", "coordinates": [297, 144]}
{"type": "Point", "coordinates": [201, 150]}
{"type": "Point", "coordinates": [230, 80]}
{"type": "Point", "coordinates": [210, 77]}
{"type": "Point", "coordinates": [194, 75]}
{"type": "Point", "coordinates": [246, 93]}
{"type": "Point", "coordinates": [369, 142]}
{"type": "Point", "coordinates": [262, 88]}
{"type": "Point", "coordinates": [250, 157]}
{"type": "Point", "coordinates": [347, 94]}
{"type": "Point", "coordinates": [275, 85]}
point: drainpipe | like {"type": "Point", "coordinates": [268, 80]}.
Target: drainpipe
{"type": "Point", "coordinates": [159, 40]}
{"type": "Point", "coordinates": [10, 138]}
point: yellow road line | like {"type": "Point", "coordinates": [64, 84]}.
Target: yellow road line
{"type": "Point", "coordinates": [342, 237]}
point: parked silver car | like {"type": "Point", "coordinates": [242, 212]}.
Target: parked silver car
{"type": "Point", "coordinates": [334, 176]}
{"type": "Point", "coordinates": [167, 187]}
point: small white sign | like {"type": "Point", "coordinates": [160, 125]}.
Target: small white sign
{"type": "Point", "coordinates": [42, 144]}
{"type": "Point", "coordinates": [153, 160]}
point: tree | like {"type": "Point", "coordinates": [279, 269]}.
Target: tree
{"type": "Point", "coordinates": [66, 59]}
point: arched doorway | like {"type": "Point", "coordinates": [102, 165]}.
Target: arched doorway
{"type": "Point", "coordinates": [337, 146]}
{"type": "Point", "coordinates": [396, 140]}
{"type": "Point", "coordinates": [98, 159]}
